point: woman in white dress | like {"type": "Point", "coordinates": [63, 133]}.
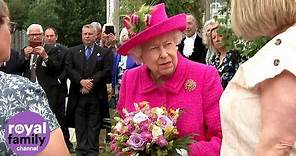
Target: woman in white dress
{"type": "Point", "coordinates": [258, 107]}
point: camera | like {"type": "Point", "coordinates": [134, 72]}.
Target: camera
{"type": "Point", "coordinates": [35, 44]}
{"type": "Point", "coordinates": [109, 30]}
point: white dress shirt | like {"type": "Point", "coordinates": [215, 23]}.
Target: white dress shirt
{"type": "Point", "coordinates": [189, 45]}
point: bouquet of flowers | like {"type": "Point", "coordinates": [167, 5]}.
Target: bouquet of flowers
{"type": "Point", "coordinates": [148, 131]}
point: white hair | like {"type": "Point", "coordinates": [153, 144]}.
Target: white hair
{"type": "Point", "coordinates": [96, 25]}
{"type": "Point", "coordinates": [136, 52]}
{"type": "Point", "coordinates": [33, 26]}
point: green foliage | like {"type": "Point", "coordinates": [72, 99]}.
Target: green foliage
{"type": "Point", "coordinates": [67, 16]}
{"type": "Point", "coordinates": [173, 7]}
{"type": "Point", "coordinates": [231, 41]}
{"type": "Point", "coordinates": [144, 10]}
{"type": "Point", "coordinates": [188, 6]}
{"type": "Point", "coordinates": [44, 13]}
{"type": "Point", "coordinates": [18, 12]}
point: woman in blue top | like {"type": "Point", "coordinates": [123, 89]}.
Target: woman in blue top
{"type": "Point", "coordinates": [121, 63]}
{"type": "Point", "coordinates": [226, 61]}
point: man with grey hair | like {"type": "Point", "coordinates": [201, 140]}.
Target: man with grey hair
{"type": "Point", "coordinates": [98, 28]}
{"type": "Point", "coordinates": [191, 46]}
{"type": "Point", "coordinates": [42, 64]}
{"type": "Point", "coordinates": [89, 66]}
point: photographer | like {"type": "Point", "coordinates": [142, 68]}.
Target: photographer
{"type": "Point", "coordinates": [43, 65]}
{"type": "Point", "coordinates": [108, 38]}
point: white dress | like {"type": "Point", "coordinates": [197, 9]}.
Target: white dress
{"type": "Point", "coordinates": [240, 105]}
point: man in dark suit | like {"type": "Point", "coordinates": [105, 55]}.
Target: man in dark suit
{"type": "Point", "coordinates": [50, 38]}
{"type": "Point", "coordinates": [88, 66]}
{"type": "Point", "coordinates": [43, 65]}
{"type": "Point", "coordinates": [191, 46]}
{"type": "Point", "coordinates": [14, 64]}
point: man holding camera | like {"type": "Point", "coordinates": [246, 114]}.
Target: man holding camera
{"type": "Point", "coordinates": [42, 64]}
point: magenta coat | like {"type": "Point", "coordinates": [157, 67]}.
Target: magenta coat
{"type": "Point", "coordinates": [200, 104]}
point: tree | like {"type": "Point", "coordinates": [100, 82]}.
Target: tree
{"type": "Point", "coordinates": [76, 13]}
{"type": "Point", "coordinates": [43, 12]}
{"type": "Point", "coordinates": [67, 16]}
{"type": "Point", "coordinates": [231, 41]}
{"type": "Point", "coordinates": [19, 11]}
{"type": "Point", "coordinates": [172, 7]}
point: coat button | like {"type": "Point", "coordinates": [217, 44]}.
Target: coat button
{"type": "Point", "coordinates": [278, 41]}
{"type": "Point", "coordinates": [276, 62]}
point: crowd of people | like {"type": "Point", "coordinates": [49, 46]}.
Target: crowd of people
{"type": "Point", "coordinates": [232, 102]}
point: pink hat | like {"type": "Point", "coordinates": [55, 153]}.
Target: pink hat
{"type": "Point", "coordinates": [155, 23]}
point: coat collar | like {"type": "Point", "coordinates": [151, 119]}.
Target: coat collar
{"type": "Point", "coordinates": [173, 85]}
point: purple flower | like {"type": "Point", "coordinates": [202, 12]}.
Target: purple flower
{"type": "Point", "coordinates": [161, 141]}
{"type": "Point", "coordinates": [147, 136]}
{"type": "Point", "coordinates": [136, 142]}
{"type": "Point", "coordinates": [164, 121]}
{"type": "Point", "coordinates": [113, 147]}
{"type": "Point", "coordinates": [130, 128]}
{"type": "Point", "coordinates": [144, 125]}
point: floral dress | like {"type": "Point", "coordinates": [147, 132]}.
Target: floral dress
{"type": "Point", "coordinates": [228, 66]}
{"type": "Point", "coordinates": [18, 94]}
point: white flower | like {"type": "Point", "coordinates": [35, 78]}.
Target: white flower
{"type": "Point", "coordinates": [158, 111]}
{"type": "Point", "coordinates": [139, 117]}
{"type": "Point", "coordinates": [182, 152]}
{"type": "Point", "coordinates": [98, 54]}
{"type": "Point", "coordinates": [118, 126]}
{"type": "Point", "coordinates": [156, 131]}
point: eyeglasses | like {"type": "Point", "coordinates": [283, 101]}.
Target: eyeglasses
{"type": "Point", "coordinates": [12, 27]}
{"type": "Point", "coordinates": [35, 35]}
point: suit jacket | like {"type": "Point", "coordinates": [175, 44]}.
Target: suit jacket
{"type": "Point", "coordinates": [98, 68]}
{"type": "Point", "coordinates": [14, 65]}
{"type": "Point", "coordinates": [47, 74]}
{"type": "Point", "coordinates": [199, 50]}
{"type": "Point", "coordinates": [62, 77]}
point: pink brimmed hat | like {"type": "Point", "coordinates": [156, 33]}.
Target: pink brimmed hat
{"type": "Point", "coordinates": [155, 23]}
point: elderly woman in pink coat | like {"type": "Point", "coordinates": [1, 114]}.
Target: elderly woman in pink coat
{"type": "Point", "coordinates": [168, 79]}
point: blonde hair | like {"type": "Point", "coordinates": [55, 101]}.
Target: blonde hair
{"type": "Point", "coordinates": [254, 18]}
{"type": "Point", "coordinates": [205, 36]}
{"type": "Point", "coordinates": [136, 52]}
{"type": "Point", "coordinates": [210, 40]}
{"type": "Point", "coordinates": [3, 10]}
{"type": "Point", "coordinates": [123, 32]}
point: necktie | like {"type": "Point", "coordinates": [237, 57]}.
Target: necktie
{"type": "Point", "coordinates": [33, 69]}
{"type": "Point", "coordinates": [87, 53]}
